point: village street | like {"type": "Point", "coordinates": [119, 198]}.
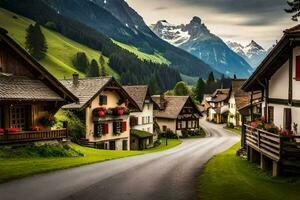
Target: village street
{"type": "Point", "coordinates": [170, 174]}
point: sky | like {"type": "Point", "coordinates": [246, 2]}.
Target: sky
{"type": "Point", "coordinates": [232, 20]}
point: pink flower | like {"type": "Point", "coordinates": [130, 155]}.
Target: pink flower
{"type": "Point", "coordinates": [253, 124]}
{"type": "Point", "coordinates": [263, 118]}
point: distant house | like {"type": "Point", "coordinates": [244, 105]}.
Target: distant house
{"type": "Point", "coordinates": [218, 110]}
{"type": "Point", "coordinates": [238, 99]}
{"type": "Point", "coordinates": [141, 123]}
{"type": "Point", "coordinates": [29, 96]}
{"type": "Point", "coordinates": [176, 113]}
{"type": "Point", "coordinates": [104, 106]}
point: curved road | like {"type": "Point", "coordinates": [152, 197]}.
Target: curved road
{"type": "Point", "coordinates": [165, 175]}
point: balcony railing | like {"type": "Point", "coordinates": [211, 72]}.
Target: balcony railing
{"type": "Point", "coordinates": [27, 136]}
{"type": "Point", "coordinates": [276, 147]}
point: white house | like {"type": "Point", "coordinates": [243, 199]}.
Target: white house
{"type": "Point", "coordinates": [238, 99]}
{"type": "Point", "coordinates": [218, 110]}
{"type": "Point", "coordinates": [142, 134]}
{"type": "Point", "coordinates": [278, 76]}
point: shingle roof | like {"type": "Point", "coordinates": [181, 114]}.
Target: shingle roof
{"type": "Point", "coordinates": [85, 90]}
{"type": "Point", "coordinates": [23, 88]}
{"type": "Point", "coordinates": [138, 93]}
{"type": "Point", "coordinates": [220, 95]}
{"type": "Point", "coordinates": [174, 105]}
{"type": "Point", "coordinates": [241, 101]}
{"type": "Point", "coordinates": [237, 87]}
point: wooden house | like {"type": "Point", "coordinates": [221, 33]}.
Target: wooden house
{"type": "Point", "coordinates": [218, 109]}
{"type": "Point", "coordinates": [142, 135]}
{"type": "Point", "coordinates": [278, 79]}
{"type": "Point", "coordinates": [176, 113]}
{"type": "Point", "coordinates": [29, 96]}
{"type": "Point", "coordinates": [104, 107]}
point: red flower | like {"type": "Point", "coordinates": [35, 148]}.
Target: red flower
{"type": "Point", "coordinates": [263, 118]}
{"type": "Point", "coordinates": [267, 126]}
{"type": "Point", "coordinates": [120, 111]}
{"type": "Point", "coordinates": [253, 124]}
{"type": "Point", "coordinates": [35, 128]}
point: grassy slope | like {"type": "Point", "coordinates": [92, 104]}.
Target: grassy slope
{"type": "Point", "coordinates": [157, 58]}
{"type": "Point", "coordinates": [20, 167]}
{"type": "Point", "coordinates": [61, 50]}
{"type": "Point", "coordinates": [228, 176]}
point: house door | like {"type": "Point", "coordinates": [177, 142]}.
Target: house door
{"type": "Point", "coordinates": [112, 145]}
{"type": "Point", "coordinates": [18, 117]}
{"type": "Point", "coordinates": [125, 144]}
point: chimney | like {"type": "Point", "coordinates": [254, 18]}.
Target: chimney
{"type": "Point", "coordinates": [75, 79]}
{"type": "Point", "coordinates": [162, 101]}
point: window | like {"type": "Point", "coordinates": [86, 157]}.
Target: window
{"type": "Point", "coordinates": [179, 125]}
{"type": "Point", "coordinates": [297, 68]}
{"type": "Point", "coordinates": [189, 124]}
{"type": "Point", "coordinates": [17, 117]}
{"type": "Point", "coordinates": [270, 114]}
{"type": "Point", "coordinates": [119, 127]}
{"type": "Point", "coordinates": [143, 120]}
{"type": "Point", "coordinates": [102, 100]}
{"type": "Point", "coordinates": [100, 129]}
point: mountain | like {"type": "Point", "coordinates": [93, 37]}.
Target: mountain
{"type": "Point", "coordinates": [196, 38]}
{"type": "Point", "coordinates": [253, 53]}
{"type": "Point", "coordinates": [116, 20]}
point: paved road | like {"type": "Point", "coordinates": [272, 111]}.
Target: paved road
{"type": "Point", "coordinates": [166, 175]}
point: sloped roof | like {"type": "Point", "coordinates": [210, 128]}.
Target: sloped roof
{"type": "Point", "coordinates": [24, 88]}
{"type": "Point", "coordinates": [242, 101]}
{"type": "Point", "coordinates": [138, 93]}
{"type": "Point", "coordinates": [236, 85]}
{"type": "Point", "coordinates": [86, 90]}
{"type": "Point", "coordinates": [173, 106]}
{"type": "Point", "coordinates": [220, 95]}
{"type": "Point", "coordinates": [34, 66]}
{"type": "Point", "coordinates": [140, 134]}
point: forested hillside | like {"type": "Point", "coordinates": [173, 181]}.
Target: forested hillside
{"type": "Point", "coordinates": [120, 60]}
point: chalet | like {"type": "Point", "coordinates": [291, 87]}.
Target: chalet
{"type": "Point", "coordinates": [142, 135]}
{"type": "Point", "coordinates": [29, 96]}
{"type": "Point", "coordinates": [104, 106]}
{"type": "Point", "coordinates": [238, 99]}
{"type": "Point", "coordinates": [218, 110]}
{"type": "Point", "coordinates": [278, 78]}
{"type": "Point", "coordinates": [176, 113]}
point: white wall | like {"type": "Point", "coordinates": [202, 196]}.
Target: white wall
{"type": "Point", "coordinates": [296, 84]}
{"type": "Point", "coordinates": [147, 112]}
{"type": "Point", "coordinates": [279, 83]}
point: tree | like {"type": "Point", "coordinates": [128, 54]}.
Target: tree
{"type": "Point", "coordinates": [102, 66]}
{"type": "Point", "coordinates": [200, 90]}
{"type": "Point", "coordinates": [181, 89]}
{"type": "Point", "coordinates": [210, 78]}
{"type": "Point", "coordinates": [294, 8]}
{"type": "Point", "coordinates": [93, 69]}
{"type": "Point", "coordinates": [36, 43]}
{"type": "Point", "coordinates": [153, 85]}
{"type": "Point", "coordinates": [81, 61]}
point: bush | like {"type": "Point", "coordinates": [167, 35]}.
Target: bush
{"type": "Point", "coordinates": [230, 125]}
{"type": "Point", "coordinates": [170, 134]}
{"type": "Point", "coordinates": [76, 127]}
{"type": "Point", "coordinates": [193, 133]}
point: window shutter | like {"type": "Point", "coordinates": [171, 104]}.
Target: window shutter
{"type": "Point", "coordinates": [288, 118]}
{"type": "Point", "coordinates": [105, 128]}
{"type": "Point", "coordinates": [271, 114]}
{"type": "Point", "coordinates": [124, 126]}
{"type": "Point", "coordinates": [298, 68]}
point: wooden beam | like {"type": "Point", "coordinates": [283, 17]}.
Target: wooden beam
{"type": "Point", "coordinates": [290, 77]}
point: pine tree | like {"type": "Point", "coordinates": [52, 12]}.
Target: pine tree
{"type": "Point", "coordinates": [294, 8]}
{"type": "Point", "coordinates": [200, 90]}
{"type": "Point", "coordinates": [102, 66]}
{"type": "Point", "coordinates": [93, 69]}
{"type": "Point", "coordinates": [210, 78]}
{"type": "Point", "coordinates": [153, 85]}
{"type": "Point", "coordinates": [81, 61]}
{"type": "Point", "coordinates": [36, 43]}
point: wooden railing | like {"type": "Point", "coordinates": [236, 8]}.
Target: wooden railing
{"type": "Point", "coordinates": [272, 145]}
{"type": "Point", "coordinates": [33, 136]}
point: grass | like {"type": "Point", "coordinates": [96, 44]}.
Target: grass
{"type": "Point", "coordinates": [61, 50]}
{"type": "Point", "coordinates": [17, 167]}
{"type": "Point", "coordinates": [171, 143]}
{"type": "Point", "coordinates": [236, 130]}
{"type": "Point", "coordinates": [227, 176]}
{"type": "Point", "coordinates": [156, 57]}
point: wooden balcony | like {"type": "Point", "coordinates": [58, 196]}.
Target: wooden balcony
{"type": "Point", "coordinates": [283, 151]}
{"type": "Point", "coordinates": [30, 136]}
